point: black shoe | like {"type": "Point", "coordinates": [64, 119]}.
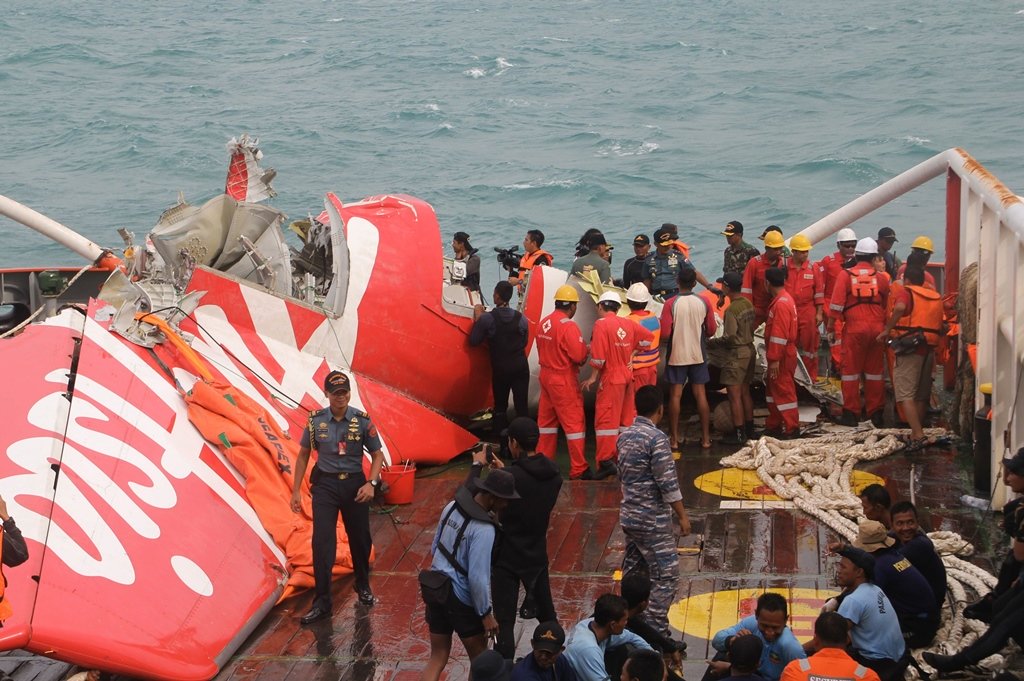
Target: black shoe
{"type": "Point", "coordinates": [585, 475]}
{"type": "Point", "coordinates": [528, 611]}
{"type": "Point", "coordinates": [606, 469]}
{"type": "Point", "coordinates": [848, 418]}
{"type": "Point", "coordinates": [750, 431]}
{"type": "Point", "coordinates": [366, 596]}
{"type": "Point", "coordinates": [980, 610]}
{"type": "Point", "coordinates": [315, 613]}
{"type": "Point", "coordinates": [945, 663]}
{"type": "Point", "coordinates": [878, 419]}
{"type": "Point", "coordinates": [738, 437]}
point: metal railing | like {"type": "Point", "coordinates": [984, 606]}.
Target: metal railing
{"type": "Point", "coordinates": [984, 225]}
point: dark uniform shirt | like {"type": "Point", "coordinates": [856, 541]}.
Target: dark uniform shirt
{"type": "Point", "coordinates": [663, 270]}
{"type": "Point", "coordinates": [633, 271]}
{"type": "Point", "coordinates": [736, 257]}
{"type": "Point", "coordinates": [921, 552]}
{"type": "Point", "coordinates": [340, 443]}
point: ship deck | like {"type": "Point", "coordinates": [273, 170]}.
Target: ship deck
{"type": "Point", "coordinates": [738, 548]}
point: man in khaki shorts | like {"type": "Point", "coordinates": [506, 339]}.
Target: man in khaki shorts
{"type": "Point", "coordinates": [912, 329]}
{"type": "Point", "coordinates": [734, 353]}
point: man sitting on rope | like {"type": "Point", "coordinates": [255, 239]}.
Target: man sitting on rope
{"type": "Point", "coordinates": [1006, 605]}
{"type": "Point", "coordinates": [875, 502]}
{"type": "Point", "coordinates": [918, 548]}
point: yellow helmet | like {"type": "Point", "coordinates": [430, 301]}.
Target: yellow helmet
{"type": "Point", "coordinates": [924, 243]}
{"type": "Point", "coordinates": [799, 243]}
{"type": "Point", "coordinates": [774, 240]}
{"type": "Point", "coordinates": [567, 294]}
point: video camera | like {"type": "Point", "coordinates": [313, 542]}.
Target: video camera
{"type": "Point", "coordinates": [509, 258]}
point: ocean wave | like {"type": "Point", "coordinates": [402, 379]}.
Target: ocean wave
{"type": "Point", "coordinates": [626, 148]}
{"type": "Point", "coordinates": [541, 184]}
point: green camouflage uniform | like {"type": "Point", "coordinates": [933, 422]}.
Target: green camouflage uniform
{"type": "Point", "coordinates": [736, 257]}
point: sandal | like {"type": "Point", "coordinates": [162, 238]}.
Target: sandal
{"type": "Point", "coordinates": [918, 445]}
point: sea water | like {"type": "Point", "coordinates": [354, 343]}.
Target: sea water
{"type": "Point", "coordinates": [556, 115]}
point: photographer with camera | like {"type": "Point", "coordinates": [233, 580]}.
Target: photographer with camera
{"type": "Point", "coordinates": [522, 553]}
{"type": "Point", "coordinates": [533, 257]}
{"type": "Point", "coordinates": [912, 331]}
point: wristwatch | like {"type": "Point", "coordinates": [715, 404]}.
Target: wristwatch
{"type": "Point", "coordinates": [375, 483]}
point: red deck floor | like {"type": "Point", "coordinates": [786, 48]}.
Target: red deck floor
{"type": "Point", "coordinates": [734, 554]}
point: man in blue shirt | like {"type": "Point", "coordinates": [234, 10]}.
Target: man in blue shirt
{"type": "Point", "coordinates": [546, 662]}
{"type": "Point", "coordinates": [877, 641]}
{"type": "Point", "coordinates": [462, 554]}
{"type": "Point", "coordinates": [340, 434]}
{"type": "Point", "coordinates": [595, 636]}
{"type": "Point", "coordinates": [769, 624]}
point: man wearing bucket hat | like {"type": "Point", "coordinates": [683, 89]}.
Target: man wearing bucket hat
{"type": "Point", "coordinates": [908, 590]}
{"type": "Point", "coordinates": [457, 588]}
{"type": "Point", "coordinates": [341, 434]}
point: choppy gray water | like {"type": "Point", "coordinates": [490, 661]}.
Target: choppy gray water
{"type": "Point", "coordinates": [506, 116]}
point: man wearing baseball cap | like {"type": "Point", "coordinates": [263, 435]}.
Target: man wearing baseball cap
{"type": "Point", "coordinates": [341, 434]}
{"type": "Point", "coordinates": [633, 269]}
{"type": "Point", "coordinates": [738, 252]}
{"type": "Point", "coordinates": [596, 260]}
{"type": "Point", "coordinates": [886, 240]}
{"type": "Point", "coordinates": [546, 663]}
{"type": "Point", "coordinates": [734, 353]}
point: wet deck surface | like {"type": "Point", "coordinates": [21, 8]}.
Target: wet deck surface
{"type": "Point", "coordinates": [731, 556]}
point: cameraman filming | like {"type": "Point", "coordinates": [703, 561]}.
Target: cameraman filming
{"type": "Point", "coordinates": [533, 257]}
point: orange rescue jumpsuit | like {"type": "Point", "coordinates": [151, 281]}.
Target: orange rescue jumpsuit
{"type": "Point", "coordinates": [754, 288]}
{"type": "Point", "coordinates": [612, 344]}
{"type": "Point", "coordinates": [806, 284]}
{"type": "Point", "coordinates": [830, 267]}
{"type": "Point", "coordinates": [859, 300]}
{"type": "Point", "coordinates": [780, 335]}
{"type": "Point", "coordinates": [561, 352]}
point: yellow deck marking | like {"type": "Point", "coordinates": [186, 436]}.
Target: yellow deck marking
{"type": "Point", "coordinates": [736, 483]}
{"type": "Point", "coordinates": [706, 614]}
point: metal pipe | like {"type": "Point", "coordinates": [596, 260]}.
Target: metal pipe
{"type": "Point", "coordinates": [51, 229]}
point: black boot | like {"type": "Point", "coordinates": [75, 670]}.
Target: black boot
{"type": "Point", "coordinates": [878, 419]}
{"type": "Point", "coordinates": [945, 663]}
{"type": "Point", "coordinates": [749, 430]}
{"type": "Point", "coordinates": [606, 469]}
{"type": "Point", "coordinates": [848, 418]}
{"type": "Point", "coordinates": [738, 437]}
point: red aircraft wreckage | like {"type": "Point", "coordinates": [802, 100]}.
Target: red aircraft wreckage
{"type": "Point", "coordinates": [154, 405]}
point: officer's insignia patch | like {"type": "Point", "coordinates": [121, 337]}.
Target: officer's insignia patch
{"type": "Point", "coordinates": [621, 333]}
{"type": "Point", "coordinates": [546, 326]}
{"type": "Point", "coordinates": [321, 426]}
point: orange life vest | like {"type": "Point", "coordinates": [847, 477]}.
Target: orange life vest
{"type": "Point", "coordinates": [529, 261]}
{"type": "Point", "coordinates": [864, 286]}
{"type": "Point", "coordinates": [682, 248]}
{"type": "Point", "coordinates": [646, 358]}
{"type": "Point", "coordinates": [925, 314]}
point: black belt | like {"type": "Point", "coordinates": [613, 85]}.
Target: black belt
{"type": "Point", "coordinates": [338, 476]}
{"type": "Point", "coordinates": [665, 292]}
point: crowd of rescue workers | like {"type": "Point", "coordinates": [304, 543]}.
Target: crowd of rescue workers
{"type": "Point", "coordinates": [491, 539]}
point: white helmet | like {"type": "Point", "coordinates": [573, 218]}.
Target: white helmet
{"type": "Point", "coordinates": [867, 246]}
{"type": "Point", "coordinates": [846, 234]}
{"type": "Point", "coordinates": [638, 293]}
{"type": "Point", "coordinates": [610, 297]}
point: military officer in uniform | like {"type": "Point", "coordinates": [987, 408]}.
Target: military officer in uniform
{"type": "Point", "coordinates": [650, 493]}
{"type": "Point", "coordinates": [341, 434]}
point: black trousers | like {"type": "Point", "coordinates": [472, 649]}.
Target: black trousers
{"type": "Point", "coordinates": [887, 670]}
{"type": "Point", "coordinates": [514, 378]}
{"type": "Point", "coordinates": [1007, 623]}
{"type": "Point", "coordinates": [505, 583]}
{"type": "Point", "coordinates": [330, 497]}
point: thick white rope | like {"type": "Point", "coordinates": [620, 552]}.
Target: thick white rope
{"type": "Point", "coordinates": [815, 475]}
